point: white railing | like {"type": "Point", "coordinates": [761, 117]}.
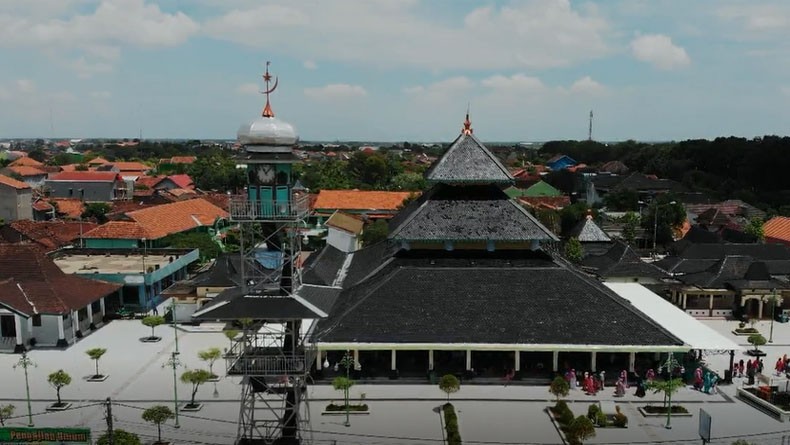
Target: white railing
{"type": "Point", "coordinates": [244, 208]}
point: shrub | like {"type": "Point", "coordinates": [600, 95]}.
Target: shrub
{"type": "Point", "coordinates": [592, 411]}
{"type": "Point", "coordinates": [580, 429]}
{"type": "Point", "coordinates": [600, 419]}
{"type": "Point", "coordinates": [559, 387]}
{"type": "Point", "coordinates": [563, 412]}
{"type": "Point", "coordinates": [120, 437]}
{"type": "Point", "coordinates": [451, 425]}
{"type": "Point", "coordinates": [449, 384]}
{"type": "Point", "coordinates": [620, 420]}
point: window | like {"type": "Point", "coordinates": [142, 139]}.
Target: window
{"type": "Point", "coordinates": [37, 320]}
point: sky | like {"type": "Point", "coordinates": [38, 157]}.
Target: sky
{"type": "Point", "coordinates": [396, 70]}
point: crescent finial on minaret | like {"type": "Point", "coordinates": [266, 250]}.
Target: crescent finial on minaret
{"type": "Point", "coordinates": [267, 110]}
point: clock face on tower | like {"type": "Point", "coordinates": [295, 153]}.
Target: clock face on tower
{"type": "Point", "coordinates": [265, 174]}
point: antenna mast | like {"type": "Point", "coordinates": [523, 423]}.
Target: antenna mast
{"type": "Point", "coordinates": [589, 130]}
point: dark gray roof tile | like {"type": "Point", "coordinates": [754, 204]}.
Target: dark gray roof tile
{"type": "Point", "coordinates": [468, 161]}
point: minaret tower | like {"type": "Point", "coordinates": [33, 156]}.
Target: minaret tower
{"type": "Point", "coordinates": [270, 356]}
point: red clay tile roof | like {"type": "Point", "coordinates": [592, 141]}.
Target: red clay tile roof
{"type": "Point", "coordinates": [98, 161]}
{"type": "Point", "coordinates": [359, 200]}
{"type": "Point", "coordinates": [69, 167]}
{"type": "Point", "coordinates": [69, 207]}
{"type": "Point", "coordinates": [31, 283]}
{"type": "Point", "coordinates": [48, 234]}
{"type": "Point", "coordinates": [118, 230]}
{"type": "Point", "coordinates": [42, 206]}
{"type": "Point", "coordinates": [120, 208]}
{"type": "Point", "coordinates": [130, 166]}
{"type": "Point", "coordinates": [26, 161]}
{"type": "Point", "coordinates": [86, 176]}
{"type": "Point", "coordinates": [168, 219]}
{"type": "Point", "coordinates": [549, 202]}
{"type": "Point", "coordinates": [180, 193]}
{"type": "Point", "coordinates": [182, 181]}
{"type": "Point", "coordinates": [182, 159]}
{"type": "Point", "coordinates": [148, 181]}
{"type": "Point", "coordinates": [221, 200]}
{"type": "Point", "coordinates": [24, 170]}
{"type": "Point", "coordinates": [11, 182]}
{"type": "Point", "coordinates": [777, 229]}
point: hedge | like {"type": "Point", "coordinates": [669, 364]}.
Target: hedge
{"type": "Point", "coordinates": [451, 425]}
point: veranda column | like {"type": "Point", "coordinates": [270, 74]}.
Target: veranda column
{"type": "Point", "coordinates": [393, 360]}
{"type": "Point", "coordinates": [90, 316]}
{"type": "Point", "coordinates": [468, 359]}
{"type": "Point", "coordinates": [20, 342]}
{"type": "Point", "coordinates": [517, 361]}
{"type": "Point", "coordinates": [555, 358]}
{"type": "Point", "coordinates": [30, 327]}
{"type": "Point", "coordinates": [760, 309]}
{"type": "Point", "coordinates": [101, 307]}
{"type": "Point", "coordinates": [61, 333]}
{"type": "Point", "coordinates": [631, 361]}
{"type": "Point", "coordinates": [75, 325]}
{"type": "Point", "coordinates": [319, 364]}
{"type": "Point", "coordinates": [356, 358]}
{"type": "Point", "coordinates": [593, 360]}
{"type": "Point", "coordinates": [430, 359]}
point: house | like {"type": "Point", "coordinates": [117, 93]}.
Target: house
{"type": "Point", "coordinates": [614, 167]}
{"type": "Point", "coordinates": [777, 230]}
{"type": "Point", "coordinates": [372, 204]}
{"type": "Point", "coordinates": [646, 186]}
{"type": "Point", "coordinates": [142, 273]}
{"type": "Point", "coordinates": [706, 272]}
{"type": "Point", "coordinates": [620, 264]}
{"type": "Point", "coordinates": [26, 161]}
{"type": "Point", "coordinates": [127, 170]}
{"type": "Point", "coordinates": [149, 226]}
{"type": "Point", "coordinates": [32, 176]}
{"type": "Point", "coordinates": [45, 209]}
{"type": "Point", "coordinates": [192, 294]}
{"type": "Point", "coordinates": [15, 199]}
{"type": "Point", "coordinates": [541, 189]}
{"type": "Point", "coordinates": [560, 162]}
{"type": "Point", "coordinates": [593, 239]}
{"type": "Point", "coordinates": [344, 231]}
{"type": "Point", "coordinates": [89, 186]}
{"type": "Point", "coordinates": [49, 235]}
{"type": "Point", "coordinates": [42, 306]}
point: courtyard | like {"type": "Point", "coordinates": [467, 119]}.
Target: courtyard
{"type": "Point", "coordinates": [139, 377]}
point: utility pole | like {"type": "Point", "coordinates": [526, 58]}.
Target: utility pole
{"type": "Point", "coordinates": [110, 433]}
{"type": "Point", "coordinates": [589, 130]}
{"type": "Point", "coordinates": [174, 363]}
{"type": "Point", "coordinates": [25, 363]}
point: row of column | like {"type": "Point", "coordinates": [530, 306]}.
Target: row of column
{"type": "Point", "coordinates": [75, 329]}
{"type": "Point", "coordinates": [516, 363]}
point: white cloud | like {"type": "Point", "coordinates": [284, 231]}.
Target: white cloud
{"type": "Point", "coordinates": [442, 88]}
{"type": "Point", "coordinates": [514, 83]}
{"type": "Point", "coordinates": [785, 89]}
{"type": "Point", "coordinates": [586, 85]}
{"type": "Point", "coordinates": [309, 64]}
{"type": "Point", "coordinates": [659, 51]}
{"type": "Point", "coordinates": [100, 95]}
{"type": "Point", "coordinates": [248, 88]}
{"type": "Point", "coordinates": [534, 33]}
{"type": "Point", "coordinates": [335, 91]}
{"type": "Point", "coordinates": [96, 36]}
{"type": "Point", "coordinates": [25, 86]}
{"type": "Point", "coordinates": [757, 17]}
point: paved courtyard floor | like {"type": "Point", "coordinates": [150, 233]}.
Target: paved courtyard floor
{"type": "Point", "coordinates": [399, 414]}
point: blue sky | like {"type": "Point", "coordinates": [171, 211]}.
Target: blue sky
{"type": "Point", "coordinates": [389, 70]}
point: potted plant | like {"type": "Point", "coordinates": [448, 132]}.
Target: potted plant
{"type": "Point", "coordinates": [449, 384]}
{"type": "Point", "coordinates": [158, 415]}
{"type": "Point", "coordinates": [95, 354]}
{"type": "Point", "coordinates": [210, 356]}
{"type": "Point", "coordinates": [58, 380]}
{"type": "Point", "coordinates": [756, 340]}
{"type": "Point", "coordinates": [194, 377]}
{"type": "Point", "coordinates": [152, 321]}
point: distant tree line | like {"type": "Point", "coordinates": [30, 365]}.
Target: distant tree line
{"type": "Point", "coordinates": [754, 170]}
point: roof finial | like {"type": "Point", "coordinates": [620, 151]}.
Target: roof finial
{"type": "Point", "coordinates": [467, 123]}
{"type": "Point", "coordinates": [267, 110]}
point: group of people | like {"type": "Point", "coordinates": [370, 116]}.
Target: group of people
{"type": "Point", "coordinates": [590, 383]}
{"type": "Point", "coordinates": [753, 367]}
{"type": "Point", "coordinates": [782, 365]}
{"type": "Point", "coordinates": [705, 381]}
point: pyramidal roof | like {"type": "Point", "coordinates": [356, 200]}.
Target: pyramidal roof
{"type": "Point", "coordinates": [468, 161]}
{"type": "Point", "coordinates": [587, 231]}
